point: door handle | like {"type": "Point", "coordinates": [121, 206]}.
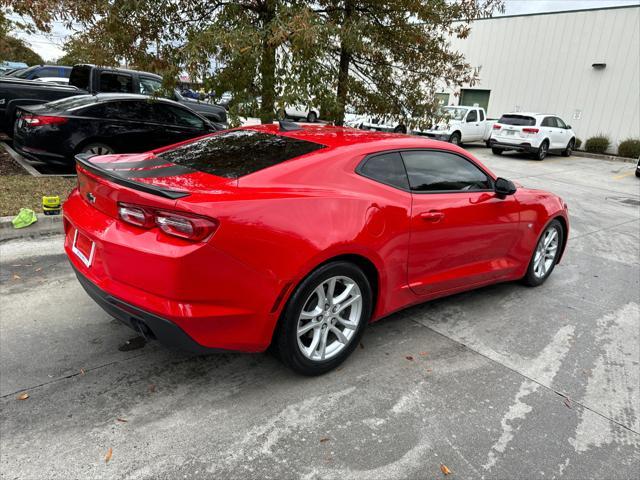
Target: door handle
{"type": "Point", "coordinates": [433, 216]}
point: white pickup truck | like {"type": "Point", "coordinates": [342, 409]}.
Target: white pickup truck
{"type": "Point", "coordinates": [461, 125]}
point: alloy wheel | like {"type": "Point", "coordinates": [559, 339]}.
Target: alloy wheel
{"type": "Point", "coordinates": [98, 150]}
{"type": "Point", "coordinates": [329, 318]}
{"type": "Point", "coordinates": [542, 151]}
{"type": "Point", "coordinates": [546, 252]}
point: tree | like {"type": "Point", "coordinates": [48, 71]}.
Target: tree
{"type": "Point", "coordinates": [14, 49]}
{"type": "Point", "coordinates": [389, 58]}
{"type": "Point", "coordinates": [383, 58]}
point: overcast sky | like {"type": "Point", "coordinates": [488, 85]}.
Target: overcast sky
{"type": "Point", "coordinates": [49, 46]}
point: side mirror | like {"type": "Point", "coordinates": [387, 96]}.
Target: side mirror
{"type": "Point", "coordinates": [504, 187]}
{"type": "Point", "coordinates": [567, 127]}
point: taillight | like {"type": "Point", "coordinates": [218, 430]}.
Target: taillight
{"type": "Point", "coordinates": [178, 224]}
{"type": "Point", "coordinates": [135, 215]}
{"type": "Point", "coordinates": [496, 126]}
{"type": "Point", "coordinates": [38, 120]}
{"type": "Point", "coordinates": [530, 130]}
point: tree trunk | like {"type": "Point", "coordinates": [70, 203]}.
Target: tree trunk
{"type": "Point", "coordinates": [267, 63]}
{"type": "Point", "coordinates": [345, 62]}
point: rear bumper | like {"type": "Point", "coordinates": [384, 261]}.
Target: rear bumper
{"type": "Point", "coordinates": [519, 147]}
{"type": "Point", "coordinates": [146, 323]}
{"type": "Point", "coordinates": [38, 154]}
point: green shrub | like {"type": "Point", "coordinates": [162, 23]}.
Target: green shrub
{"type": "Point", "coordinates": [597, 144]}
{"type": "Point", "coordinates": [578, 143]}
{"type": "Point", "coordinates": [629, 148]}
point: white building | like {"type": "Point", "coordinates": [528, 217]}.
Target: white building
{"type": "Point", "coordinates": [582, 65]}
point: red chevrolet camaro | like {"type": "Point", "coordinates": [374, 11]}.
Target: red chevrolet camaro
{"type": "Point", "coordinates": [297, 237]}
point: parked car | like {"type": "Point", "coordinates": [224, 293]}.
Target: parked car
{"type": "Point", "coordinates": [8, 67]}
{"type": "Point", "coordinates": [383, 124]}
{"type": "Point", "coordinates": [297, 237]}
{"type": "Point", "coordinates": [462, 124]}
{"type": "Point", "coordinates": [56, 80]}
{"type": "Point", "coordinates": [40, 71]}
{"type": "Point", "coordinates": [535, 133]}
{"type": "Point", "coordinates": [300, 112]}
{"type": "Point", "coordinates": [88, 79]}
{"type": "Point", "coordinates": [101, 124]}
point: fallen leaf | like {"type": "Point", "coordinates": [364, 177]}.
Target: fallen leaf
{"type": "Point", "coordinates": [429, 370]}
{"type": "Point", "coordinates": [38, 269]}
{"type": "Point", "coordinates": [122, 420]}
{"type": "Point", "coordinates": [567, 402]}
{"type": "Point", "coordinates": [424, 354]}
{"type": "Point", "coordinates": [23, 396]}
{"type": "Point", "coordinates": [108, 456]}
{"type": "Point", "coordinates": [445, 469]}
{"type": "Point", "coordinates": [409, 357]}
{"type": "Point", "coordinates": [82, 372]}
{"type": "Point", "coordinates": [152, 388]}
{"type": "Point", "coordinates": [16, 277]}
{"type": "Point", "coordinates": [242, 50]}
{"type": "Point", "coordinates": [324, 439]}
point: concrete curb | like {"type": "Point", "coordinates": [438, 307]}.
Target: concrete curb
{"type": "Point", "coordinates": [46, 225]}
{"type": "Point", "coordinates": [598, 156]}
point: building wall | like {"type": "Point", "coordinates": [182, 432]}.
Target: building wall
{"type": "Point", "coordinates": [543, 63]}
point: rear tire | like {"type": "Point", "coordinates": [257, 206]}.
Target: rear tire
{"type": "Point", "coordinates": [497, 151]}
{"type": "Point", "coordinates": [96, 149]}
{"type": "Point", "coordinates": [546, 254]}
{"type": "Point", "coordinates": [400, 129]}
{"type": "Point", "coordinates": [318, 316]}
{"type": "Point", "coordinates": [312, 117]}
{"type": "Point", "coordinates": [541, 154]}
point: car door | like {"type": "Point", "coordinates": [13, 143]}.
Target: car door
{"type": "Point", "coordinates": [550, 129]}
{"type": "Point", "coordinates": [472, 128]}
{"type": "Point", "coordinates": [462, 232]}
{"type": "Point", "coordinates": [563, 133]}
{"type": "Point", "coordinates": [177, 123]}
{"type": "Point", "coordinates": [125, 126]}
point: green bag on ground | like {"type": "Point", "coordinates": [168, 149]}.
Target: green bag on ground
{"type": "Point", "coordinates": [25, 217]}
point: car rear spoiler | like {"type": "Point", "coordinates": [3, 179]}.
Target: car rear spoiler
{"type": "Point", "coordinates": [82, 159]}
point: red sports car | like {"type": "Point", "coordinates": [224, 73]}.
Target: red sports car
{"type": "Point", "coordinates": [297, 237]}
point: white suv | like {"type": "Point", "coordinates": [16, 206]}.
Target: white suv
{"type": "Point", "coordinates": [535, 133]}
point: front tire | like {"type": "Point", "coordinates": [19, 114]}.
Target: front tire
{"type": "Point", "coordinates": [312, 117]}
{"type": "Point", "coordinates": [497, 151]}
{"type": "Point", "coordinates": [400, 129]}
{"type": "Point", "coordinates": [546, 254]}
{"type": "Point", "coordinates": [324, 319]}
{"type": "Point", "coordinates": [567, 151]}
{"type": "Point", "coordinates": [455, 138]}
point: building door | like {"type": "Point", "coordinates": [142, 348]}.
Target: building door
{"type": "Point", "coordinates": [471, 97]}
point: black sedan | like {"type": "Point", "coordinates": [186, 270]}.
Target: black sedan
{"type": "Point", "coordinates": [101, 124]}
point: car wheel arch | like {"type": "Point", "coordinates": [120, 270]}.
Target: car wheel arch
{"type": "Point", "coordinates": [565, 229]}
{"type": "Point", "coordinates": [366, 264]}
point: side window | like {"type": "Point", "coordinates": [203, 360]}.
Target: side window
{"type": "Point", "coordinates": [115, 82]}
{"type": "Point", "coordinates": [472, 116]}
{"type": "Point", "coordinates": [560, 123]}
{"type": "Point", "coordinates": [549, 122]}
{"type": "Point", "coordinates": [137, 111]}
{"type": "Point", "coordinates": [46, 72]}
{"type": "Point", "coordinates": [96, 111]}
{"type": "Point", "coordinates": [172, 115]}
{"type": "Point", "coordinates": [148, 85]}
{"type": "Point", "coordinates": [386, 168]}
{"type": "Point", "coordinates": [436, 171]}
{"type": "Point", "coordinates": [481, 115]}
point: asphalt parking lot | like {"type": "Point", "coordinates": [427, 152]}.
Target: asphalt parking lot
{"type": "Point", "coordinates": [502, 382]}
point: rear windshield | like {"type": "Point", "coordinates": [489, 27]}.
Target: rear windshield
{"type": "Point", "coordinates": [239, 152]}
{"type": "Point", "coordinates": [521, 120]}
{"type": "Point", "coordinates": [68, 103]}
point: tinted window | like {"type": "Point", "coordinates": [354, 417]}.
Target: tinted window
{"type": "Point", "coordinates": [172, 115]}
{"type": "Point", "coordinates": [238, 152]}
{"type": "Point", "coordinates": [560, 123]}
{"type": "Point", "coordinates": [149, 85]}
{"type": "Point", "coordinates": [472, 116]}
{"type": "Point", "coordinates": [115, 82]}
{"type": "Point", "coordinates": [47, 72]}
{"type": "Point", "coordinates": [549, 122]}
{"type": "Point", "coordinates": [386, 168]}
{"type": "Point", "coordinates": [481, 115]}
{"type": "Point", "coordinates": [520, 120]}
{"type": "Point", "coordinates": [139, 111]}
{"type": "Point", "coordinates": [80, 76]}
{"type": "Point", "coordinates": [432, 171]}
{"type": "Point", "coordinates": [26, 72]}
